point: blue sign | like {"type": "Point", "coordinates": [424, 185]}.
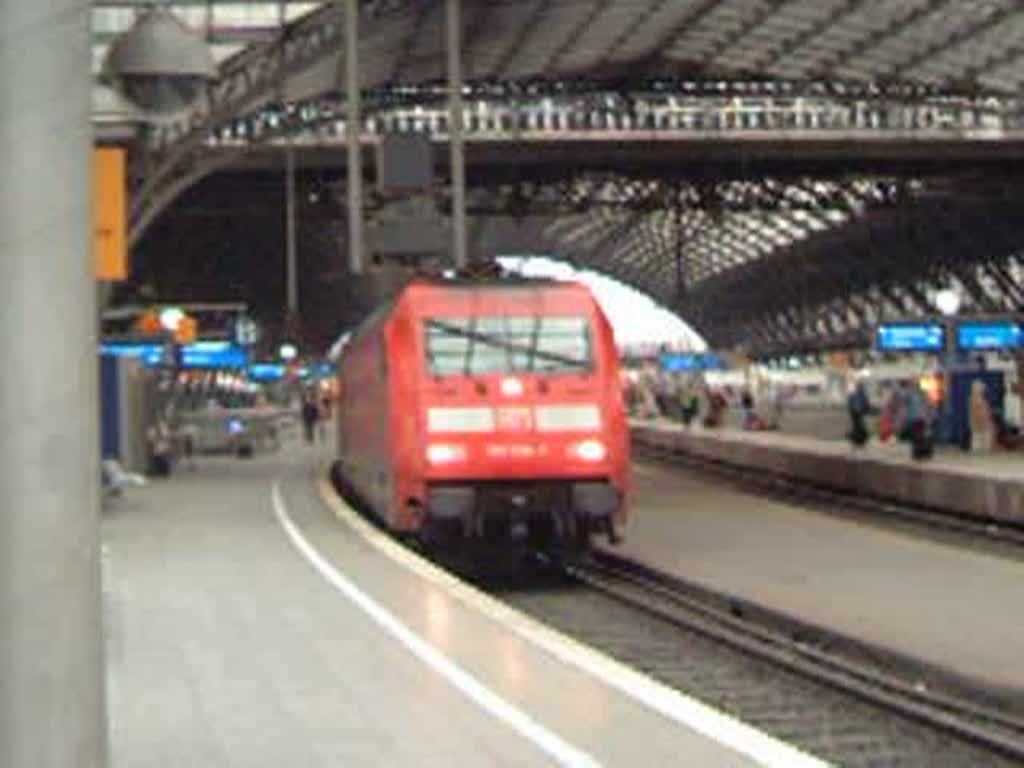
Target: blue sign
{"type": "Point", "coordinates": [324, 371]}
{"type": "Point", "coordinates": [912, 337]}
{"type": "Point", "coordinates": [686, 363]}
{"type": "Point", "coordinates": [991, 335]}
{"type": "Point", "coordinates": [267, 371]}
{"type": "Point", "coordinates": [149, 354]}
{"type": "Point", "coordinates": [213, 354]}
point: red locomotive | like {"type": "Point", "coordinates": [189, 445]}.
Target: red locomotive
{"type": "Point", "coordinates": [487, 412]}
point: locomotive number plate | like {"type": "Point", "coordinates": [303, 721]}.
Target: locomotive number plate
{"type": "Point", "coordinates": [514, 419]}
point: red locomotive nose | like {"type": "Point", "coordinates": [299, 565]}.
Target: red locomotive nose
{"type": "Point", "coordinates": [487, 408]}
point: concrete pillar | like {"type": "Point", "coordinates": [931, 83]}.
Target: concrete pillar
{"type": "Point", "coordinates": [291, 244]}
{"type": "Point", "coordinates": [354, 132]}
{"type": "Point", "coordinates": [455, 131]}
{"type": "Point", "coordinates": [51, 659]}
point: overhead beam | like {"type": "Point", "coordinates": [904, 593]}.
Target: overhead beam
{"type": "Point", "coordinates": [873, 40]}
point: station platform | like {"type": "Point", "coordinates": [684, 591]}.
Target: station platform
{"type": "Point", "coordinates": [249, 624]}
{"type": "Point", "coordinates": [989, 485]}
{"type": "Point", "coordinates": [951, 608]}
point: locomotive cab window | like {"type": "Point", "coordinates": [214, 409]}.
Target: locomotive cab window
{"type": "Point", "coordinates": [481, 345]}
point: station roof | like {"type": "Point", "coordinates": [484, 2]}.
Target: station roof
{"type": "Point", "coordinates": [704, 259]}
{"type": "Point", "coordinates": [229, 26]}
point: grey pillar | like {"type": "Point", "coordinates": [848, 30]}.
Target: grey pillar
{"type": "Point", "coordinates": [353, 133]}
{"type": "Point", "coordinates": [291, 246]}
{"type": "Point", "coordinates": [455, 130]}
{"type": "Point", "coordinates": [51, 651]}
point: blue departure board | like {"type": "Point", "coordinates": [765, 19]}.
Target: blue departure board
{"type": "Point", "coordinates": [690, 362]}
{"type": "Point", "coordinates": [911, 337]}
{"type": "Point", "coordinates": [213, 354]}
{"type": "Point", "coordinates": [1004, 334]}
{"type": "Point", "coordinates": [149, 354]}
{"type": "Point", "coordinates": [267, 371]}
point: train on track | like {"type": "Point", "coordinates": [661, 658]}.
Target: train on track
{"type": "Point", "coordinates": [478, 413]}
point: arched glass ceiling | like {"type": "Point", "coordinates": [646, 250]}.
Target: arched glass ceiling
{"type": "Point", "coordinates": [636, 318]}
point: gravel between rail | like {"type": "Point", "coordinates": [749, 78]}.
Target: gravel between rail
{"type": "Point", "coordinates": [810, 689]}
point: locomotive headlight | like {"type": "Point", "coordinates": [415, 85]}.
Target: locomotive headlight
{"type": "Point", "coordinates": [511, 387]}
{"type": "Point", "coordinates": [590, 450]}
{"type": "Point", "coordinates": [445, 453]}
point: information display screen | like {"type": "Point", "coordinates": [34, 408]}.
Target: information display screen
{"type": "Point", "coordinates": [213, 354]}
{"type": "Point", "coordinates": [692, 362]}
{"type": "Point", "coordinates": [267, 371]}
{"type": "Point", "coordinates": [149, 354]}
{"type": "Point", "coordinates": [990, 335]}
{"type": "Point", "coordinates": [911, 337]}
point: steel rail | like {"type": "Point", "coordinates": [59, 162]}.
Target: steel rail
{"type": "Point", "coordinates": [795, 646]}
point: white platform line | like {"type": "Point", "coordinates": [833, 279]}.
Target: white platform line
{"type": "Point", "coordinates": [685, 710]}
{"type": "Point", "coordinates": [547, 741]}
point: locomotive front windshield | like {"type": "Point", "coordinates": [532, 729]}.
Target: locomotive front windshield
{"type": "Point", "coordinates": [480, 345]}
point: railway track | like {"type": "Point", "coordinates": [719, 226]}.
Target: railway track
{"type": "Point", "coordinates": [819, 691]}
{"type": "Point", "coordinates": [807, 651]}
{"type": "Point", "coordinates": [846, 703]}
{"type": "Point", "coordinates": [968, 528]}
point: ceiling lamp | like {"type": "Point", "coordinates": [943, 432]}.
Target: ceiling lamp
{"type": "Point", "coordinates": [160, 65]}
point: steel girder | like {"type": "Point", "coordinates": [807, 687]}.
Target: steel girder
{"type": "Point", "coordinates": [648, 38]}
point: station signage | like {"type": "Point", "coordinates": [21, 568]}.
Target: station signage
{"type": "Point", "coordinates": [911, 337]}
{"type": "Point", "coordinates": [685, 363]}
{"type": "Point", "coordinates": [110, 250]}
{"type": "Point", "coordinates": [147, 353]}
{"type": "Point", "coordinates": [267, 371]}
{"type": "Point", "coordinates": [992, 335]}
{"type": "Point", "coordinates": [213, 355]}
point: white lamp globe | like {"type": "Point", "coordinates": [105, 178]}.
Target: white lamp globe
{"type": "Point", "coordinates": [948, 302]}
{"type": "Point", "coordinates": [171, 317]}
{"type": "Point", "coordinates": [288, 352]}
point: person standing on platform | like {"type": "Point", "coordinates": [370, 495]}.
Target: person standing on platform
{"type": "Point", "coordinates": [750, 420]}
{"type": "Point", "coordinates": [324, 417]}
{"type": "Point", "coordinates": [778, 408]}
{"type": "Point", "coordinates": [310, 416]}
{"type": "Point", "coordinates": [982, 433]}
{"type": "Point", "coordinates": [858, 406]}
{"type": "Point", "coordinates": [919, 421]}
{"type": "Point", "coordinates": [689, 404]}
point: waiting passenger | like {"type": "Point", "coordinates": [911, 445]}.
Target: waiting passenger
{"type": "Point", "coordinates": [919, 419]}
{"type": "Point", "coordinates": [689, 405]}
{"type": "Point", "coordinates": [310, 416]}
{"type": "Point", "coordinates": [716, 409]}
{"type": "Point", "coordinates": [982, 431]}
{"type": "Point", "coordinates": [161, 449]}
{"type": "Point", "coordinates": [858, 406]}
{"type": "Point", "coordinates": [750, 418]}
{"type": "Point", "coordinates": [778, 400]}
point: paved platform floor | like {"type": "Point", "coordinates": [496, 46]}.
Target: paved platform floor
{"type": "Point", "coordinates": [953, 608]}
{"type": "Point", "coordinates": [228, 649]}
{"type": "Point", "coordinates": [1002, 465]}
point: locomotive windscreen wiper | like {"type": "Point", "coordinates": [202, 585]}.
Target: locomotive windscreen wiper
{"type": "Point", "coordinates": [501, 342]}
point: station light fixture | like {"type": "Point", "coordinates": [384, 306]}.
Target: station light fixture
{"type": "Point", "coordinates": [171, 317]}
{"type": "Point", "coordinates": [160, 65]}
{"type": "Point", "coordinates": [948, 302]}
{"type": "Point", "coordinates": [288, 352]}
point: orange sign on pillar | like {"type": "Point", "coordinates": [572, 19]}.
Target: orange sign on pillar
{"type": "Point", "coordinates": [188, 330]}
{"type": "Point", "coordinates": [148, 324]}
{"type": "Point", "coordinates": [110, 252]}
